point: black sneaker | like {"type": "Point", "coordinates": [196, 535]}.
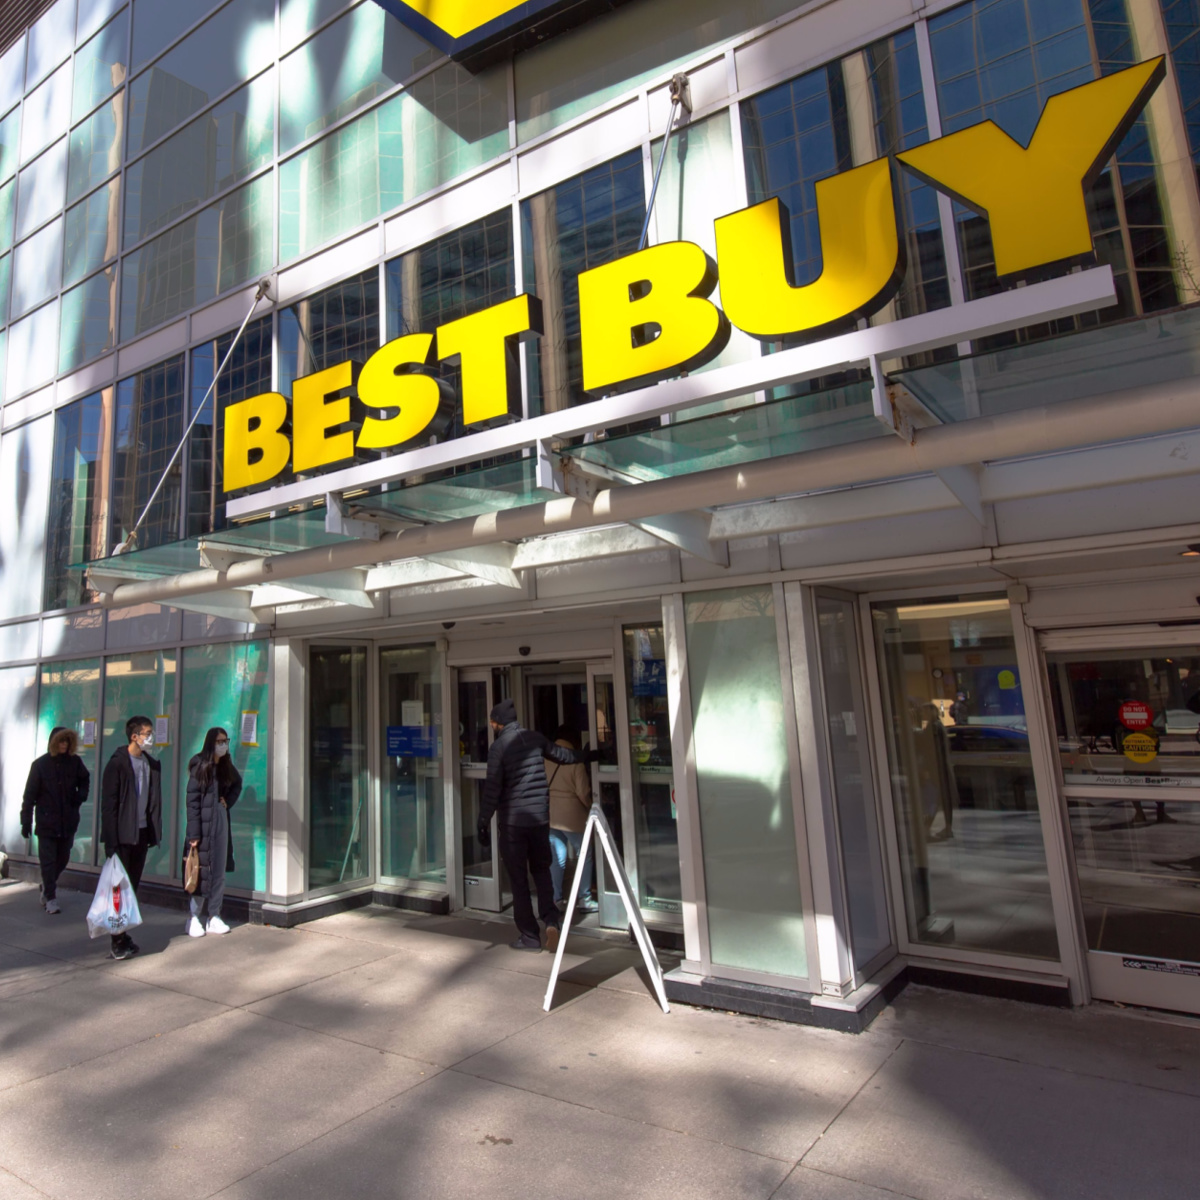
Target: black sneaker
{"type": "Point", "coordinates": [132, 946]}
{"type": "Point", "coordinates": [526, 943]}
{"type": "Point", "coordinates": [122, 951]}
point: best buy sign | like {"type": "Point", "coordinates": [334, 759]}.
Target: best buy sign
{"type": "Point", "coordinates": [649, 315]}
{"type": "Point", "coordinates": [479, 30]}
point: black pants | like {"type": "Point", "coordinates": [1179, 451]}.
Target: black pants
{"type": "Point", "coordinates": [53, 854]}
{"type": "Point", "coordinates": [133, 859]}
{"type": "Point", "coordinates": [525, 850]}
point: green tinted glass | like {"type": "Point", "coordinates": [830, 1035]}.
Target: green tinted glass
{"type": "Point", "coordinates": [100, 65]}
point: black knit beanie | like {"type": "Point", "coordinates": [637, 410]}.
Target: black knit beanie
{"type": "Point", "coordinates": [504, 713]}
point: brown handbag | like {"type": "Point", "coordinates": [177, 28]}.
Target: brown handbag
{"type": "Point", "coordinates": [191, 870]}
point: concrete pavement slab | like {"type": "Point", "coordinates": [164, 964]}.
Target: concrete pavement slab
{"type": "Point", "coordinates": [12, 1188]}
{"type": "Point", "coordinates": [418, 933]}
{"type": "Point", "coordinates": [436, 1010]}
{"type": "Point", "coordinates": [25, 971]}
{"type": "Point", "coordinates": [944, 1124]}
{"type": "Point", "coordinates": [83, 1015]}
{"type": "Point", "coordinates": [459, 1138]}
{"type": "Point", "coordinates": [760, 1085]}
{"type": "Point", "coordinates": [1154, 1049]}
{"type": "Point", "coordinates": [806, 1184]}
{"type": "Point", "coordinates": [187, 1113]}
{"type": "Point", "coordinates": [248, 964]}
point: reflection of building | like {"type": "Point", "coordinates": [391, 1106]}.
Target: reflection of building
{"type": "Point", "coordinates": [867, 704]}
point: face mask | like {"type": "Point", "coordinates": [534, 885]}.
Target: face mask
{"type": "Point", "coordinates": [220, 749]}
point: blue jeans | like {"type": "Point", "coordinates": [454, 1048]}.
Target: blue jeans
{"type": "Point", "coordinates": [560, 839]}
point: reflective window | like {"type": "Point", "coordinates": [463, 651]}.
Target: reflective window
{"type": "Point", "coordinates": [38, 268]}
{"type": "Point", "coordinates": [458, 273]}
{"type": "Point", "coordinates": [159, 22]}
{"type": "Point", "coordinates": [92, 226]}
{"type": "Point", "coordinates": [96, 147]}
{"type": "Point", "coordinates": [25, 454]}
{"type": "Point", "coordinates": [51, 37]}
{"type": "Point", "coordinates": [93, 14]}
{"type": "Point", "coordinates": [247, 374]}
{"type": "Point", "coordinates": [1182, 21]}
{"type": "Point", "coordinates": [338, 774]}
{"type": "Point", "coordinates": [149, 425]}
{"type": "Point", "coordinates": [229, 142]}
{"type": "Point", "coordinates": [298, 17]}
{"type": "Point", "coordinates": [10, 133]}
{"type": "Point", "coordinates": [578, 70]}
{"type": "Point", "coordinates": [655, 830]}
{"type": "Point", "coordinates": [8, 210]}
{"type": "Point", "coordinates": [46, 113]}
{"type": "Point", "coordinates": [412, 814]}
{"type": "Point", "coordinates": [751, 872]}
{"type": "Point", "coordinates": [43, 186]}
{"type": "Point", "coordinates": [591, 219]}
{"type": "Point", "coordinates": [89, 320]}
{"type": "Point", "coordinates": [972, 860]}
{"type": "Point", "coordinates": [5, 280]}
{"type": "Point", "coordinates": [77, 528]}
{"type": "Point", "coordinates": [444, 125]}
{"type": "Point", "coordinates": [12, 74]}
{"type": "Point", "coordinates": [100, 66]}
{"type": "Point", "coordinates": [222, 247]}
{"type": "Point", "coordinates": [200, 68]}
{"type": "Point", "coordinates": [32, 350]}
{"type": "Point", "coordinates": [347, 65]}
{"type": "Point", "coordinates": [339, 323]}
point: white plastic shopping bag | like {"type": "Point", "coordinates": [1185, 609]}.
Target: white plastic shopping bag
{"type": "Point", "coordinates": [114, 907]}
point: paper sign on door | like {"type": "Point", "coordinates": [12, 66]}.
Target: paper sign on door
{"type": "Point", "coordinates": [249, 728]}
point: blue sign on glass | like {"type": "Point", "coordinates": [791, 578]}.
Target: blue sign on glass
{"type": "Point", "coordinates": [411, 741]}
{"type": "Point", "coordinates": [649, 677]}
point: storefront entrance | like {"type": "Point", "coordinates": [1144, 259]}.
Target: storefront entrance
{"type": "Point", "coordinates": [1127, 723]}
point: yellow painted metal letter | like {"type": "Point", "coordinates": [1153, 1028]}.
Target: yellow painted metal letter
{"type": "Point", "coordinates": [861, 250]}
{"type": "Point", "coordinates": [392, 378]}
{"type": "Point", "coordinates": [647, 316]}
{"type": "Point", "coordinates": [1034, 197]}
{"type": "Point", "coordinates": [255, 427]}
{"type": "Point", "coordinates": [314, 415]}
{"type": "Point", "coordinates": [485, 342]}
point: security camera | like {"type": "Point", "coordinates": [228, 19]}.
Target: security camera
{"type": "Point", "coordinates": [449, 624]}
{"type": "Point", "coordinates": [524, 651]}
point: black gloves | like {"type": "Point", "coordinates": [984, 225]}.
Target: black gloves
{"type": "Point", "coordinates": [26, 832]}
{"type": "Point", "coordinates": [483, 830]}
{"type": "Point", "coordinates": [109, 850]}
{"type": "Point", "coordinates": [591, 756]}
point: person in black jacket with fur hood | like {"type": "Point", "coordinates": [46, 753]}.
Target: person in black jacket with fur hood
{"type": "Point", "coordinates": [57, 789]}
{"type": "Point", "coordinates": [214, 785]}
{"type": "Point", "coordinates": [516, 790]}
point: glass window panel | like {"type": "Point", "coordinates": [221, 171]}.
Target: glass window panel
{"type": "Point", "coordinates": [339, 323]}
{"type": "Point", "coordinates": [92, 232]}
{"type": "Point", "coordinates": [77, 528]}
{"type": "Point", "coordinates": [5, 280]}
{"type": "Point", "coordinates": [70, 696]}
{"type": "Point", "coordinates": [3, 359]}
{"type": "Point", "coordinates": [100, 66]}
{"type": "Point", "coordinates": [224, 246]}
{"type": "Point", "coordinates": [446, 124]}
{"type": "Point", "coordinates": [95, 147]}
{"type": "Point", "coordinates": [46, 113]}
{"type": "Point", "coordinates": [8, 206]}
{"type": "Point", "coordinates": [972, 859]}
{"type": "Point", "coordinates": [229, 142]}
{"type": "Point", "coordinates": [51, 37]}
{"type": "Point", "coordinates": [12, 74]}
{"type": "Point", "coordinates": [591, 219]}
{"type": "Point", "coordinates": [32, 350]}
{"type": "Point", "coordinates": [156, 23]}
{"type": "Point", "coordinates": [339, 779]}
{"type": "Point", "coordinates": [38, 268]}
{"type": "Point", "coordinates": [200, 68]}
{"type": "Point", "coordinates": [220, 683]}
{"type": "Point", "coordinates": [654, 815]}
{"type": "Point", "coordinates": [89, 320]}
{"type": "Point", "coordinates": [412, 811]}
{"type": "Point", "coordinates": [43, 188]}
{"type": "Point", "coordinates": [751, 873]}
{"type": "Point", "coordinates": [10, 132]}
{"type": "Point", "coordinates": [247, 374]}
{"type": "Point", "coordinates": [578, 70]}
{"type": "Point", "coordinates": [143, 685]}
{"type": "Point", "coordinates": [347, 65]}
{"type": "Point", "coordinates": [93, 14]}
{"type": "Point", "coordinates": [299, 17]}
{"type": "Point", "coordinates": [25, 454]}
{"type": "Point", "coordinates": [149, 426]}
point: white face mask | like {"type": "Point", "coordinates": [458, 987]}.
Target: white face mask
{"type": "Point", "coordinates": [220, 749]}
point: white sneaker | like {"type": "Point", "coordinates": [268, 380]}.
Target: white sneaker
{"type": "Point", "coordinates": [194, 928]}
{"type": "Point", "coordinates": [52, 907]}
{"type": "Point", "coordinates": [216, 925]}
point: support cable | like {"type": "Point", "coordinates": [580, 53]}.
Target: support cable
{"type": "Point", "coordinates": [681, 98]}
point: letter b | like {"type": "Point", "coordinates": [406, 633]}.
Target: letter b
{"type": "Point", "coordinates": [255, 427]}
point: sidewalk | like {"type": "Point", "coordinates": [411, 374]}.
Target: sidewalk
{"type": "Point", "coordinates": [379, 1055]}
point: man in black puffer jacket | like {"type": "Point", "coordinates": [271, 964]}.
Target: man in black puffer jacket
{"type": "Point", "coordinates": [516, 790]}
{"type": "Point", "coordinates": [56, 791]}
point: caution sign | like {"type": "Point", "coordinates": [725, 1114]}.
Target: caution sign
{"type": "Point", "coordinates": [1140, 748]}
{"type": "Point", "coordinates": [1135, 715]}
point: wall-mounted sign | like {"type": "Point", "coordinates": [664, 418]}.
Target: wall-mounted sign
{"type": "Point", "coordinates": [1140, 747]}
{"type": "Point", "coordinates": [478, 32]}
{"type": "Point", "coordinates": [649, 315]}
{"type": "Point", "coordinates": [1135, 715]}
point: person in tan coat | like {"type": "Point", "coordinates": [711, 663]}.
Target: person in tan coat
{"type": "Point", "coordinates": [570, 802]}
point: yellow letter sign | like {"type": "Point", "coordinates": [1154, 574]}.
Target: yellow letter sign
{"type": "Point", "coordinates": [393, 378]}
{"type": "Point", "coordinates": [1033, 197]}
{"type": "Point", "coordinates": [255, 427]}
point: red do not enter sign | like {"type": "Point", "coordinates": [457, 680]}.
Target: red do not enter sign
{"type": "Point", "coordinates": [1135, 714]}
